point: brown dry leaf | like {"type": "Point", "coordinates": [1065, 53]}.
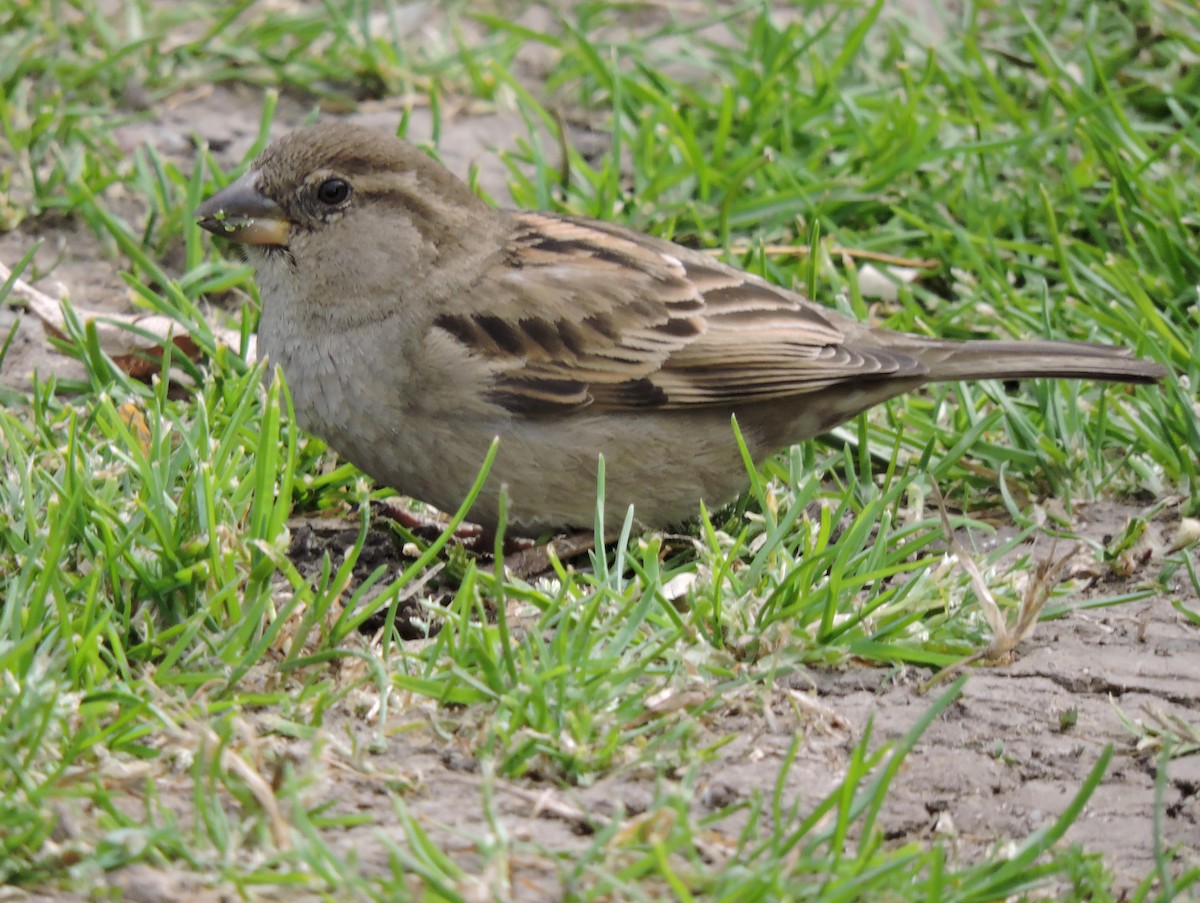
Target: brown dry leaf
{"type": "Point", "coordinates": [123, 337]}
{"type": "Point", "coordinates": [131, 415]}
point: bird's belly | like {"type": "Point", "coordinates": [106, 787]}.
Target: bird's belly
{"type": "Point", "coordinates": [549, 470]}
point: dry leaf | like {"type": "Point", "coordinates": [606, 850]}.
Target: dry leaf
{"type": "Point", "coordinates": [133, 418]}
{"type": "Point", "coordinates": [122, 336]}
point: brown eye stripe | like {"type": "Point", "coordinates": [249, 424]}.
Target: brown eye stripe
{"type": "Point", "coordinates": [420, 208]}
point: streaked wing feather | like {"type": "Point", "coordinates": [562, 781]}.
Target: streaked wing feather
{"type": "Point", "coordinates": [640, 328]}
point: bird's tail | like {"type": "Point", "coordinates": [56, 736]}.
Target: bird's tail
{"type": "Point", "coordinates": [951, 361]}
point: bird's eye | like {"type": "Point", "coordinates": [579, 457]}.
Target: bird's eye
{"type": "Point", "coordinates": [333, 191]}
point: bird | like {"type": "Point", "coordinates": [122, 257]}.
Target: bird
{"type": "Point", "coordinates": [415, 323]}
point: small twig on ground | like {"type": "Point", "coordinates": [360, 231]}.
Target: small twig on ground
{"type": "Point", "coordinates": [134, 341]}
{"type": "Point", "coordinates": [835, 250]}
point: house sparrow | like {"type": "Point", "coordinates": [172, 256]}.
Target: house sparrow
{"type": "Point", "coordinates": [414, 323]}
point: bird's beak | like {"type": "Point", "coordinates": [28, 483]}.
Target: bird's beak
{"type": "Point", "coordinates": [240, 212]}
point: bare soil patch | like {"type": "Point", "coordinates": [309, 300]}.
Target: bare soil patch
{"type": "Point", "coordinates": [1002, 762]}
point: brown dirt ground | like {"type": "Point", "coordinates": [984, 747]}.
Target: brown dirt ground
{"type": "Point", "coordinates": [1003, 761]}
{"type": "Point", "coordinates": [998, 765]}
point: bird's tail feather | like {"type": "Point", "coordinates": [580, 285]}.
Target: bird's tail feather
{"type": "Point", "coordinates": [951, 361]}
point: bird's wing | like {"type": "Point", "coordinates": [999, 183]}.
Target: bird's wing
{"type": "Point", "coordinates": [586, 314]}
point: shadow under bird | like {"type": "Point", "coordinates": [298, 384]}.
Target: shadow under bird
{"type": "Point", "coordinates": [414, 323]}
